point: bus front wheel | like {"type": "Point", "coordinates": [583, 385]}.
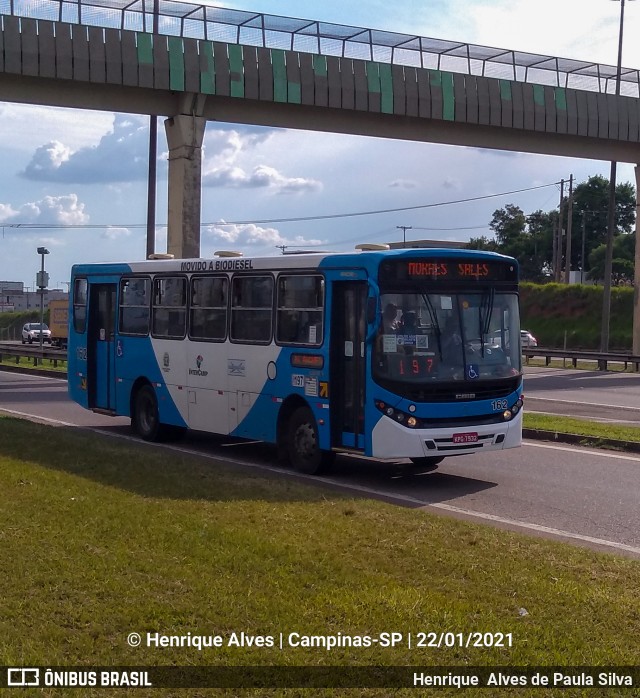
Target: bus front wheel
{"type": "Point", "coordinates": [305, 454]}
{"type": "Point", "coordinates": [146, 418]}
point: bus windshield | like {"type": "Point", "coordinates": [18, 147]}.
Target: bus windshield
{"type": "Point", "coordinates": [448, 336]}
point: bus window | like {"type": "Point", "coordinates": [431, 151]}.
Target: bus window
{"type": "Point", "coordinates": [300, 310]}
{"type": "Point", "coordinates": [251, 308]}
{"type": "Point", "coordinates": [208, 319]}
{"type": "Point", "coordinates": [135, 300]}
{"type": "Point", "coordinates": [169, 317]}
{"type": "Point", "coordinates": [80, 305]}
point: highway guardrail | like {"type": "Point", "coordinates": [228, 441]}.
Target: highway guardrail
{"type": "Point", "coordinates": [32, 352]}
{"type": "Point", "coordinates": [601, 358]}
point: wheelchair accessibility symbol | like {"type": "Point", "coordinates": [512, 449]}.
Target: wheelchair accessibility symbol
{"type": "Point", "coordinates": [473, 371]}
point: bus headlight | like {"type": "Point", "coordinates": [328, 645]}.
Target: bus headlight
{"type": "Point", "coordinates": [398, 415]}
{"type": "Point", "coordinates": [507, 415]}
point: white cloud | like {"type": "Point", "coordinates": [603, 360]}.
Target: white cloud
{"type": "Point", "coordinates": [115, 233]}
{"type": "Point", "coordinates": [7, 212]}
{"type": "Point", "coordinates": [54, 210]}
{"type": "Point", "coordinates": [37, 124]}
{"type": "Point", "coordinates": [226, 153]}
{"type": "Point", "coordinates": [224, 145]}
{"type": "Point", "coordinates": [261, 176]}
{"type": "Point", "coordinates": [122, 155]}
{"type": "Point", "coordinates": [64, 210]}
{"type": "Point", "coordinates": [251, 235]}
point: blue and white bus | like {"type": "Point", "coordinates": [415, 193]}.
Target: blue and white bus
{"type": "Point", "coordinates": [409, 353]}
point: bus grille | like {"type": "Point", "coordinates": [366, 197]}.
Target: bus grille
{"type": "Point", "coordinates": [459, 391]}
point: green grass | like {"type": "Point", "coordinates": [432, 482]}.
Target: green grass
{"type": "Point", "coordinates": [583, 427]}
{"type": "Point", "coordinates": [101, 538]}
{"type": "Point", "coordinates": [27, 362]}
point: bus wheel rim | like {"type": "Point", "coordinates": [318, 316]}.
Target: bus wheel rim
{"type": "Point", "coordinates": [305, 441]}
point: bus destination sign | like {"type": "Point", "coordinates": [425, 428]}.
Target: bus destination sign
{"type": "Point", "coordinates": [448, 270]}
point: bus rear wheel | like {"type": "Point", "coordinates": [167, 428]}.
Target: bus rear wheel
{"type": "Point", "coordinates": [305, 454]}
{"type": "Point", "coordinates": [146, 417]}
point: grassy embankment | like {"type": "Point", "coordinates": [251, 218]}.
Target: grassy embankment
{"type": "Point", "coordinates": [101, 538]}
{"type": "Point", "coordinates": [555, 311]}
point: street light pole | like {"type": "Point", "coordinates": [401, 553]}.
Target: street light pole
{"type": "Point", "coordinates": [608, 257]}
{"type": "Point", "coordinates": [43, 282]}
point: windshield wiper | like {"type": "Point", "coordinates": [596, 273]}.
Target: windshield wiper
{"type": "Point", "coordinates": [434, 321]}
{"type": "Point", "coordinates": [484, 321]}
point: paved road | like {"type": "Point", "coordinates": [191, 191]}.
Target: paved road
{"type": "Point", "coordinates": [600, 395]}
{"type": "Point", "coordinates": [583, 495]}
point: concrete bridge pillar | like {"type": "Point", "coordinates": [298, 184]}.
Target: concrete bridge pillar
{"type": "Point", "coordinates": [185, 133]}
{"type": "Point", "coordinates": [636, 283]}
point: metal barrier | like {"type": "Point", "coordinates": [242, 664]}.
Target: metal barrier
{"type": "Point", "coordinates": [600, 358]}
{"type": "Point", "coordinates": [33, 353]}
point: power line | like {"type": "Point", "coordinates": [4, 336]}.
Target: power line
{"type": "Point", "coordinates": [464, 227]}
{"type": "Point", "coordinates": [299, 219]}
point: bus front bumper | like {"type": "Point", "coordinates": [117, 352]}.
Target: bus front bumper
{"type": "Point", "coordinates": [393, 440]}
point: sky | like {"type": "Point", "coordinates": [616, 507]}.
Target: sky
{"type": "Point", "coordinates": [84, 173]}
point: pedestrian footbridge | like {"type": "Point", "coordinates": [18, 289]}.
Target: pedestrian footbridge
{"type": "Point", "coordinates": [192, 63]}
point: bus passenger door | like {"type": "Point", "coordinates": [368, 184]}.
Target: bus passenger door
{"type": "Point", "coordinates": [101, 380]}
{"type": "Point", "coordinates": [348, 363]}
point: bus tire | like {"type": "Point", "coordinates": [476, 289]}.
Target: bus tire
{"type": "Point", "coordinates": [305, 454]}
{"type": "Point", "coordinates": [431, 463]}
{"type": "Point", "coordinates": [146, 417]}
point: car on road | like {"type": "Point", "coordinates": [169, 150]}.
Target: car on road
{"type": "Point", "coordinates": [32, 330]}
{"type": "Point", "coordinates": [527, 339]}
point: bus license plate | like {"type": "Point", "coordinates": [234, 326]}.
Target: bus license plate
{"type": "Point", "coordinates": [468, 437]}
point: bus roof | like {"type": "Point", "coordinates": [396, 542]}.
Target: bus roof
{"type": "Point", "coordinates": [369, 259]}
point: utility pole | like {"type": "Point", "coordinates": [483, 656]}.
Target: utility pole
{"type": "Point", "coordinates": [153, 155]}
{"type": "Point", "coordinates": [404, 229]}
{"type": "Point", "coordinates": [567, 265]}
{"type": "Point", "coordinates": [608, 257]}
{"type": "Point", "coordinates": [584, 235]}
{"type": "Point", "coordinates": [557, 270]}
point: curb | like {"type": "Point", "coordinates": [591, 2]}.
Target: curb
{"type": "Point", "coordinates": [581, 440]}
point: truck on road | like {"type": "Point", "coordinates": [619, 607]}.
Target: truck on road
{"type": "Point", "coordinates": [59, 322]}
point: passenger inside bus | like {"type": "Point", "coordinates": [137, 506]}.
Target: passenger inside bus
{"type": "Point", "coordinates": [390, 321]}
